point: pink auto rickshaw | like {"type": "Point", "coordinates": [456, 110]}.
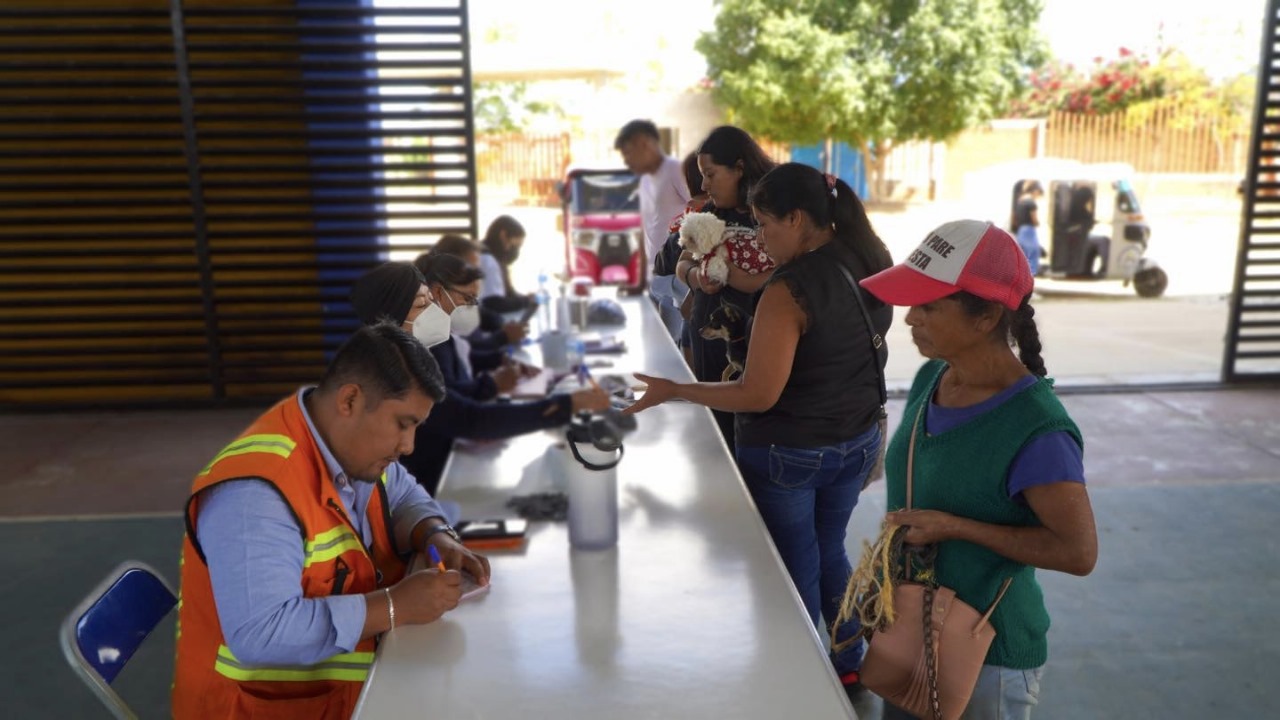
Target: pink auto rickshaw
{"type": "Point", "coordinates": [603, 234]}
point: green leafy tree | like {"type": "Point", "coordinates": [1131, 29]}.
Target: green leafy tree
{"type": "Point", "coordinates": [872, 73]}
{"type": "Point", "coordinates": [504, 107]}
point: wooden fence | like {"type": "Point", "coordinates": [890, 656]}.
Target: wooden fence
{"type": "Point", "coordinates": [517, 159]}
{"type": "Point", "coordinates": [1162, 142]}
{"type": "Point", "coordinates": [532, 164]}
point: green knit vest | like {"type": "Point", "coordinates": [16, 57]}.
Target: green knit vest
{"type": "Point", "coordinates": [964, 471]}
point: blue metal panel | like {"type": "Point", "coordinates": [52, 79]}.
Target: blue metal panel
{"type": "Point", "coordinates": [336, 315]}
{"type": "Point", "coordinates": [846, 163]}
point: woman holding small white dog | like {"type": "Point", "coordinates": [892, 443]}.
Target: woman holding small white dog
{"type": "Point", "coordinates": [808, 403]}
{"type": "Point", "coordinates": [731, 162]}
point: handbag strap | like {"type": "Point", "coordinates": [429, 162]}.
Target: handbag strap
{"type": "Point", "coordinates": [878, 348]}
{"type": "Point", "coordinates": [911, 457]}
{"type": "Point", "coordinates": [1004, 587]}
{"type": "Point", "coordinates": [911, 451]}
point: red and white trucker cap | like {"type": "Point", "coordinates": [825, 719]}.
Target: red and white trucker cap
{"type": "Point", "coordinates": [969, 255]}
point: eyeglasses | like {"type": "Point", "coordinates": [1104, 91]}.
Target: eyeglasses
{"type": "Point", "coordinates": [467, 298]}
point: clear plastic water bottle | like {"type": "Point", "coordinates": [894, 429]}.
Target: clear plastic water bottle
{"type": "Point", "coordinates": [544, 303]}
{"type": "Point", "coordinates": [577, 352]}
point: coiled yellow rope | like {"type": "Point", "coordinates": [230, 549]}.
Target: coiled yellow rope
{"type": "Point", "coordinates": [870, 589]}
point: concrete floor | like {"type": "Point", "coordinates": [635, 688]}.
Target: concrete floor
{"type": "Point", "coordinates": [1177, 620]}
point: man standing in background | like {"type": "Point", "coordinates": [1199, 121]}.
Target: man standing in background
{"type": "Point", "coordinates": [663, 196]}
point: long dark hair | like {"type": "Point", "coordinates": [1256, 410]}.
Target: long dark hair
{"type": "Point", "coordinates": [451, 244]}
{"type": "Point", "coordinates": [450, 271]}
{"type": "Point", "coordinates": [728, 145]}
{"type": "Point", "coordinates": [1016, 325]}
{"type": "Point", "coordinates": [793, 187]}
{"type": "Point", "coordinates": [692, 175]}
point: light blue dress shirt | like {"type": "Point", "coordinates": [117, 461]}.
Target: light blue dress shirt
{"type": "Point", "coordinates": [492, 284]}
{"type": "Point", "coordinates": [255, 556]}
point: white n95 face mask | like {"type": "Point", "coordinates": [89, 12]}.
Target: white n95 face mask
{"type": "Point", "coordinates": [465, 319]}
{"type": "Point", "coordinates": [431, 327]}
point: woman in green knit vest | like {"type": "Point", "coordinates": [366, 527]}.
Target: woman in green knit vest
{"type": "Point", "coordinates": [999, 478]}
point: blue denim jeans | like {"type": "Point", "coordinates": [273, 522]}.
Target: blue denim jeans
{"type": "Point", "coordinates": [806, 496]}
{"type": "Point", "coordinates": [1029, 241]}
{"type": "Point", "coordinates": [666, 292]}
{"type": "Point", "coordinates": [1001, 694]}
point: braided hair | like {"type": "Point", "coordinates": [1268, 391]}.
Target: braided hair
{"type": "Point", "coordinates": [1025, 334]}
{"type": "Point", "coordinates": [1015, 326]}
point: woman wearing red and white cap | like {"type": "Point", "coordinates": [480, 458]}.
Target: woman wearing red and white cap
{"type": "Point", "coordinates": [998, 480]}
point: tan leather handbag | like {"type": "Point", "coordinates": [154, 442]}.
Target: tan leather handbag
{"type": "Point", "coordinates": [927, 662]}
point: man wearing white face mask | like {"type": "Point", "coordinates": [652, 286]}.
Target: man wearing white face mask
{"type": "Point", "coordinates": [399, 292]}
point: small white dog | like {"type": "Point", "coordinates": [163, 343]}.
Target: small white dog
{"type": "Point", "coordinates": [703, 235]}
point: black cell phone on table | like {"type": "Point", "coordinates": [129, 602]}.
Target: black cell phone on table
{"type": "Point", "coordinates": [500, 533]}
{"type": "Point", "coordinates": [507, 527]}
{"type": "Point", "coordinates": [528, 313]}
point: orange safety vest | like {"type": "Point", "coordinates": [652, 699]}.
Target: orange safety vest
{"type": "Point", "coordinates": [209, 681]}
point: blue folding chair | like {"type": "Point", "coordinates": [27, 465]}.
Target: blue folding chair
{"type": "Point", "coordinates": [108, 626]}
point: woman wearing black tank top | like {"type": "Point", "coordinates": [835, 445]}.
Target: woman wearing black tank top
{"type": "Point", "coordinates": [808, 401]}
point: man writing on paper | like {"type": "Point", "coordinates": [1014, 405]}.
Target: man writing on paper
{"type": "Point", "coordinates": [298, 538]}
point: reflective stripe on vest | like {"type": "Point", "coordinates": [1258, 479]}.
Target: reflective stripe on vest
{"type": "Point", "coordinates": [330, 544]}
{"type": "Point", "coordinates": [333, 542]}
{"type": "Point", "coordinates": [281, 445]}
{"type": "Point", "coordinates": [353, 666]}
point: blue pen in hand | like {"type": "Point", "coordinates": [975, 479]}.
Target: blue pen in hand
{"type": "Point", "coordinates": [584, 377]}
{"type": "Point", "coordinates": [435, 557]}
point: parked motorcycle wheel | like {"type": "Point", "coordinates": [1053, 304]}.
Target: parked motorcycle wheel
{"type": "Point", "coordinates": [1150, 283]}
{"type": "Point", "coordinates": [1097, 265]}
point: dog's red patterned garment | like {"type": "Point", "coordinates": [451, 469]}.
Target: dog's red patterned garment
{"type": "Point", "coordinates": [745, 251]}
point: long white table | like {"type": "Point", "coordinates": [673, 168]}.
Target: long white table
{"type": "Point", "coordinates": [690, 616]}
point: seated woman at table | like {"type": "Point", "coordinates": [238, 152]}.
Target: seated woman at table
{"type": "Point", "coordinates": [455, 285]}
{"type": "Point", "coordinates": [731, 162]}
{"type": "Point", "coordinates": [397, 291]}
{"type": "Point", "coordinates": [502, 242]}
{"type": "Point", "coordinates": [808, 402]}
{"type": "Point", "coordinates": [495, 333]}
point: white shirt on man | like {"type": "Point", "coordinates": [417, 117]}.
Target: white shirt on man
{"type": "Point", "coordinates": [663, 196]}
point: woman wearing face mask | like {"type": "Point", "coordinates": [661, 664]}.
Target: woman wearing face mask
{"type": "Point", "coordinates": [399, 292]}
{"type": "Point", "coordinates": [481, 376]}
{"type": "Point", "coordinates": [502, 242]}
{"type": "Point", "coordinates": [495, 332]}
